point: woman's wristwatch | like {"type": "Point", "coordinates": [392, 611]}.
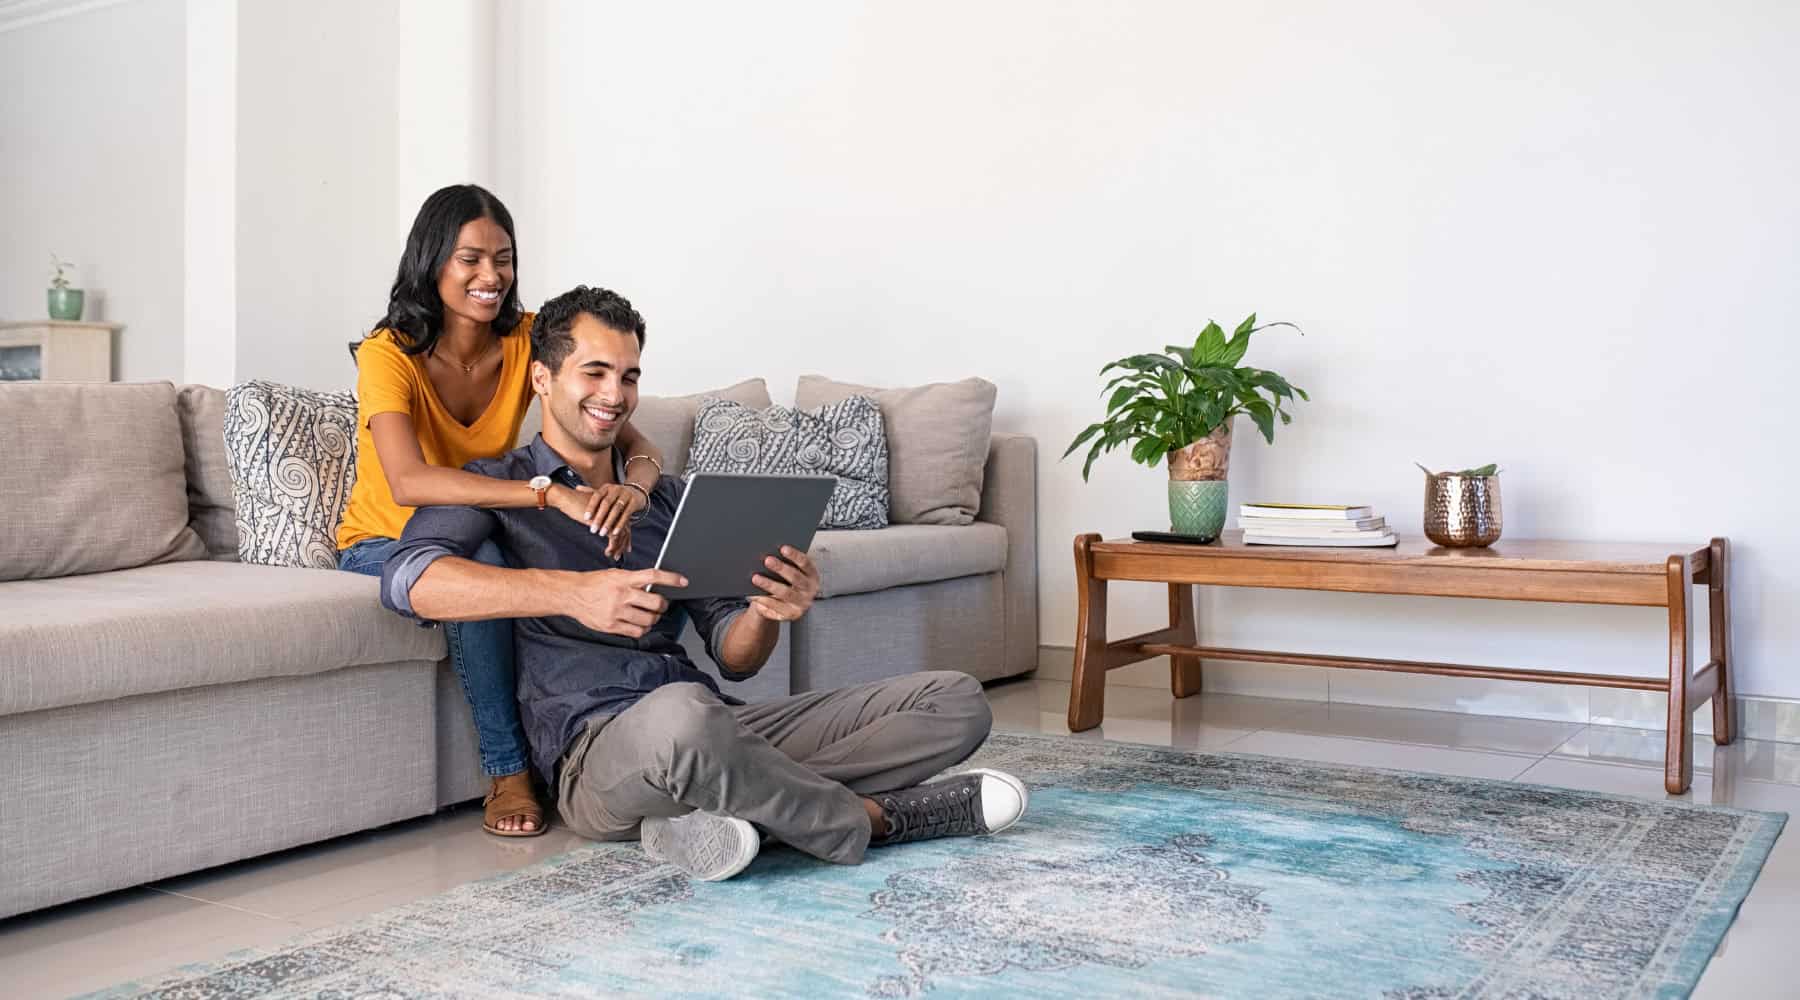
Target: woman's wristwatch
{"type": "Point", "coordinates": [541, 486]}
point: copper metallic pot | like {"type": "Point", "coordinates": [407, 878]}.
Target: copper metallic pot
{"type": "Point", "coordinates": [1462, 512]}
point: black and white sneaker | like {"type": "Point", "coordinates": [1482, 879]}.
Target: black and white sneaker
{"type": "Point", "coordinates": [969, 804]}
{"type": "Point", "coordinates": [707, 846]}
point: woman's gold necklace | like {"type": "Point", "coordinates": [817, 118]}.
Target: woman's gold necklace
{"type": "Point", "coordinates": [469, 369]}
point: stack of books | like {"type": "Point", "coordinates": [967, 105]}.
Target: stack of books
{"type": "Point", "coordinates": [1313, 524]}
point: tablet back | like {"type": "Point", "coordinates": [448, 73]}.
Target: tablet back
{"type": "Point", "coordinates": [728, 523]}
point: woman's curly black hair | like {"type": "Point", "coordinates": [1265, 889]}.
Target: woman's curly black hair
{"type": "Point", "coordinates": [415, 311]}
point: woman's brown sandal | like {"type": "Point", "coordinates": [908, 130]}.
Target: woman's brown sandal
{"type": "Point", "coordinates": [511, 796]}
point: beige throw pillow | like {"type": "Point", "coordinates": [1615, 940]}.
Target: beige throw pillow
{"type": "Point", "coordinates": [212, 511]}
{"type": "Point", "coordinates": [94, 479]}
{"type": "Point", "coordinates": [937, 443]}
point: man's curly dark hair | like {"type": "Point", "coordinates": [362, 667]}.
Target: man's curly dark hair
{"type": "Point", "coordinates": [550, 339]}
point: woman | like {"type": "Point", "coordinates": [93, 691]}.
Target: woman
{"type": "Point", "coordinates": [441, 381]}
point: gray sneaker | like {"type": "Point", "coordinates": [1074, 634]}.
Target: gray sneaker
{"type": "Point", "coordinates": [969, 804]}
{"type": "Point", "coordinates": [707, 846]}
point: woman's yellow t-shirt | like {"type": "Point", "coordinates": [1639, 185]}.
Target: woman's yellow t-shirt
{"type": "Point", "coordinates": [390, 381]}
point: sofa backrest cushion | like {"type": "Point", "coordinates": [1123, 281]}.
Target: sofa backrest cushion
{"type": "Point", "coordinates": [844, 440]}
{"type": "Point", "coordinates": [292, 454]}
{"type": "Point", "coordinates": [669, 420]}
{"type": "Point", "coordinates": [211, 511]}
{"type": "Point", "coordinates": [93, 479]}
{"type": "Point", "coordinates": [937, 443]}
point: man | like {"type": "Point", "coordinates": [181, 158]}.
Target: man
{"type": "Point", "coordinates": [637, 740]}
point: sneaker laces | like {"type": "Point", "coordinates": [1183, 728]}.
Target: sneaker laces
{"type": "Point", "coordinates": [942, 809]}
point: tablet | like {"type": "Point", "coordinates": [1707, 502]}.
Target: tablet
{"type": "Point", "coordinates": [727, 524]}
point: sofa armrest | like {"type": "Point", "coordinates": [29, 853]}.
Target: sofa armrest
{"type": "Point", "coordinates": [1009, 499]}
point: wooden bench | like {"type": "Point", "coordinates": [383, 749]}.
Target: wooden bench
{"type": "Point", "coordinates": [1638, 575]}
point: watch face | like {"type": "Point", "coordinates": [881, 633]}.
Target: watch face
{"type": "Point", "coordinates": [539, 482]}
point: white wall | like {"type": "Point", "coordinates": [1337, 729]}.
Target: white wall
{"type": "Point", "coordinates": [209, 213]}
{"type": "Point", "coordinates": [1562, 240]}
{"type": "Point", "coordinates": [349, 114]}
{"type": "Point", "coordinates": [444, 97]}
{"type": "Point", "coordinates": [316, 127]}
{"type": "Point", "coordinates": [259, 239]}
{"type": "Point", "coordinates": [91, 153]}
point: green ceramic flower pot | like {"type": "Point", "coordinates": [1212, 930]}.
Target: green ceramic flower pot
{"type": "Point", "coordinates": [65, 303]}
{"type": "Point", "coordinates": [1197, 507]}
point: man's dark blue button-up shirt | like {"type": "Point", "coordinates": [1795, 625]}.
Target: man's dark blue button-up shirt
{"type": "Point", "coordinates": [568, 673]}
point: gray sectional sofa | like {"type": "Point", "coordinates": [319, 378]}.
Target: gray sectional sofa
{"type": "Point", "coordinates": [165, 708]}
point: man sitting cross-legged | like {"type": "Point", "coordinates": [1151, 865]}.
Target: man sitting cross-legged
{"type": "Point", "coordinates": [636, 740]}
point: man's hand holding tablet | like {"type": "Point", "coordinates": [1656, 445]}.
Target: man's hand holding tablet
{"type": "Point", "coordinates": [620, 602]}
{"type": "Point", "coordinates": [791, 585]}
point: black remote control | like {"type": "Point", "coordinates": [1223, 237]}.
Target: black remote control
{"type": "Point", "coordinates": [1170, 536]}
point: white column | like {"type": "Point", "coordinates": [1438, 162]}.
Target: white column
{"type": "Point", "coordinates": [209, 245]}
{"type": "Point", "coordinates": [444, 133]}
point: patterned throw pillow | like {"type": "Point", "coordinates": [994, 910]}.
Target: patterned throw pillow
{"type": "Point", "coordinates": [845, 439]}
{"type": "Point", "coordinates": [292, 456]}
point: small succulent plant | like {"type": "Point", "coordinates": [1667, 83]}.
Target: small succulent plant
{"type": "Point", "coordinates": [1486, 470]}
{"type": "Point", "coordinates": [60, 279]}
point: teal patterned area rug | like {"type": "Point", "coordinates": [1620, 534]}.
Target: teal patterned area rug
{"type": "Point", "coordinates": [1139, 871]}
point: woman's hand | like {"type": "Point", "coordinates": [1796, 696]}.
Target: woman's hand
{"type": "Point", "coordinates": [572, 502]}
{"type": "Point", "coordinates": [610, 513]}
{"type": "Point", "coordinates": [605, 511]}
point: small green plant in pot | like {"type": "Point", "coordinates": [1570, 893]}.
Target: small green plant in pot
{"type": "Point", "coordinates": [64, 302]}
{"type": "Point", "coordinates": [1180, 404]}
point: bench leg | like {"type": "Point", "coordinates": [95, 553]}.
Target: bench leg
{"type": "Point", "coordinates": [1184, 671]}
{"type": "Point", "coordinates": [1718, 599]}
{"type": "Point", "coordinates": [1678, 757]}
{"type": "Point", "coordinates": [1087, 687]}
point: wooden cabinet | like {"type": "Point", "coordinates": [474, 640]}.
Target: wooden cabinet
{"type": "Point", "coordinates": [55, 351]}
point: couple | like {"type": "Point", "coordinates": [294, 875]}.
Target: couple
{"type": "Point", "coordinates": [636, 740]}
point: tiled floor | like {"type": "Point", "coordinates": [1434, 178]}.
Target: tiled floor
{"type": "Point", "coordinates": [92, 944]}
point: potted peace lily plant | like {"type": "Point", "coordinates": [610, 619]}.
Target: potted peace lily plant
{"type": "Point", "coordinates": [1180, 404]}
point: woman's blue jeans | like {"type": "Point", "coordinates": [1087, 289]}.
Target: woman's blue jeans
{"type": "Point", "coordinates": [482, 653]}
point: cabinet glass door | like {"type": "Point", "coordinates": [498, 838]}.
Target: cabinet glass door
{"type": "Point", "coordinates": [21, 363]}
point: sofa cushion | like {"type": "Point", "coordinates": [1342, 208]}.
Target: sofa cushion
{"type": "Point", "coordinates": [292, 454]}
{"type": "Point", "coordinates": [668, 420]}
{"type": "Point", "coordinates": [937, 443]}
{"type": "Point", "coordinates": [211, 510]}
{"type": "Point", "coordinates": [860, 562]}
{"type": "Point", "coordinates": [93, 479]}
{"type": "Point", "coordinates": [843, 440]}
{"type": "Point", "coordinates": [82, 639]}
